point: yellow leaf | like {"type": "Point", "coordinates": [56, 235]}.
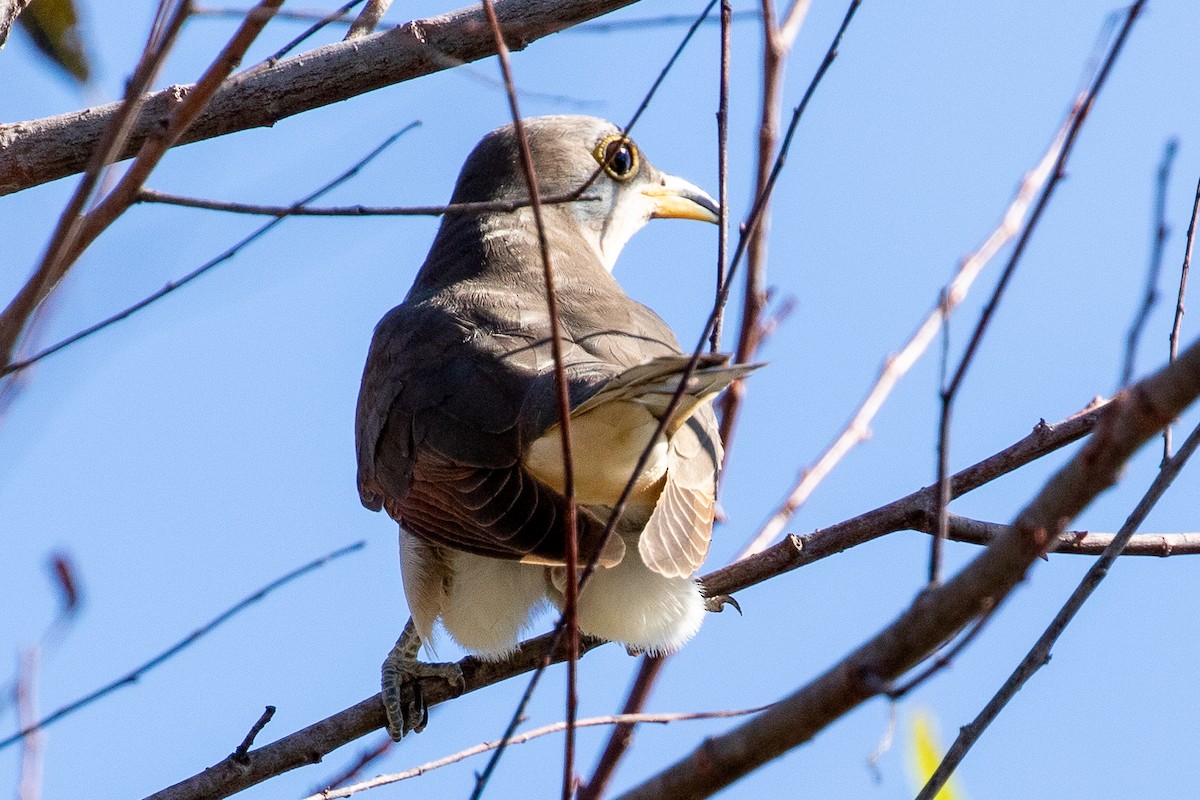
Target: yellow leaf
{"type": "Point", "coordinates": [925, 753]}
{"type": "Point", "coordinates": [54, 27]}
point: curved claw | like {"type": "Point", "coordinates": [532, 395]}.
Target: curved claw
{"type": "Point", "coordinates": [403, 700]}
{"type": "Point", "coordinates": [717, 604]}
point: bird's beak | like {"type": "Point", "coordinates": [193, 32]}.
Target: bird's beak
{"type": "Point", "coordinates": [675, 198]}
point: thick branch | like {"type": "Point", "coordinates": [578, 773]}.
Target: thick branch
{"type": "Point", "coordinates": [309, 745]}
{"type": "Point", "coordinates": [42, 150]}
{"type": "Point", "coordinates": [1125, 424]}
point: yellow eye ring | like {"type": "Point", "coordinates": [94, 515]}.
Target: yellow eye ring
{"type": "Point", "coordinates": [618, 155]}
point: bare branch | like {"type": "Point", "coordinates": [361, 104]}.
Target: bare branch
{"type": "Point", "coordinates": [1126, 423]}
{"type": "Point", "coordinates": [54, 147]}
{"type": "Point", "coordinates": [314, 742]}
{"type": "Point", "coordinates": [858, 429]}
{"type": "Point", "coordinates": [1077, 116]}
{"type": "Point", "coordinates": [907, 513]}
{"type": "Point", "coordinates": [1154, 269]}
{"type": "Point", "coordinates": [793, 21]}
{"type": "Point", "coordinates": [9, 11]}
{"type": "Point", "coordinates": [1179, 308]}
{"type": "Point", "coordinates": [536, 733]}
{"type": "Point", "coordinates": [17, 366]}
{"type": "Point", "coordinates": [309, 745]}
{"type": "Point", "coordinates": [136, 674]}
{"type": "Point", "coordinates": [1083, 543]}
{"type": "Point", "coordinates": [1039, 654]}
{"type": "Point", "coordinates": [109, 138]}
{"type": "Point", "coordinates": [295, 210]}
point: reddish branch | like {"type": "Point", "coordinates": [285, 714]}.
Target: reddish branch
{"type": "Point", "coordinates": [1039, 655]}
{"type": "Point", "coordinates": [1077, 117]}
{"type": "Point", "coordinates": [311, 744]}
{"type": "Point", "coordinates": [939, 613]}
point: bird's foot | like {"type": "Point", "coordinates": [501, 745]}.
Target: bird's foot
{"type": "Point", "coordinates": [403, 699]}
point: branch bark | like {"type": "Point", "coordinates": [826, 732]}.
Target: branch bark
{"type": "Point", "coordinates": [310, 745]}
{"type": "Point", "coordinates": [41, 150]}
{"type": "Point", "coordinates": [938, 613]}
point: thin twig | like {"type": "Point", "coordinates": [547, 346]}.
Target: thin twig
{"type": "Point", "coordinates": [134, 675]}
{"type": "Point", "coordinates": [53, 267]}
{"type": "Point", "coordinates": [239, 754]}
{"type": "Point", "coordinates": [555, 637]}
{"type": "Point", "coordinates": [622, 735]}
{"type": "Point", "coordinates": [940, 612]}
{"type": "Point", "coordinates": [283, 15]}
{"type": "Point", "coordinates": [1179, 308]}
{"type": "Point", "coordinates": [300, 748]}
{"type": "Point", "coordinates": [943, 657]}
{"type": "Point", "coordinates": [322, 22]}
{"type": "Point", "coordinates": [368, 18]}
{"type": "Point", "coordinates": [662, 21]}
{"type": "Point", "coordinates": [367, 756]}
{"type": "Point", "coordinates": [949, 393]}
{"type": "Point", "coordinates": [208, 265]}
{"type": "Point", "coordinates": [894, 367]}
{"type": "Point", "coordinates": [778, 39]}
{"type": "Point", "coordinates": [1039, 654]}
{"type": "Point", "coordinates": [722, 167]}
{"type": "Point", "coordinates": [263, 210]}
{"type": "Point", "coordinates": [545, 730]}
{"type": "Point", "coordinates": [1158, 245]}
{"type": "Point", "coordinates": [570, 519]}
{"type": "Point", "coordinates": [29, 782]}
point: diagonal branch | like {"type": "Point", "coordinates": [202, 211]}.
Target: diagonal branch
{"type": "Point", "coordinates": [1039, 654]}
{"type": "Point", "coordinates": [311, 744]}
{"type": "Point", "coordinates": [896, 366]}
{"type": "Point", "coordinates": [1077, 116]}
{"type": "Point", "coordinates": [536, 733]}
{"type": "Point", "coordinates": [940, 612]}
{"type": "Point", "coordinates": [46, 149]}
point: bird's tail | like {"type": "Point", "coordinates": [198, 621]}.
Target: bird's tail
{"type": "Point", "coordinates": [656, 382]}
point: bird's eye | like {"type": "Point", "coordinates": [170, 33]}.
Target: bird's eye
{"type": "Point", "coordinates": [618, 156]}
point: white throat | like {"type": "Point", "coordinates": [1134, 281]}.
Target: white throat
{"type": "Point", "coordinates": [607, 235]}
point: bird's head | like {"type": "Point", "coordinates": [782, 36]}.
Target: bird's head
{"type": "Point", "coordinates": [619, 189]}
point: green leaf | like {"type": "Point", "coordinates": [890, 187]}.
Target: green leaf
{"type": "Point", "coordinates": [54, 26]}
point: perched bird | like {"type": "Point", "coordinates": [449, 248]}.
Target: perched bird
{"type": "Point", "coordinates": [458, 430]}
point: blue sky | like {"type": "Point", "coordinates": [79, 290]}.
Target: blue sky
{"type": "Point", "coordinates": [197, 451]}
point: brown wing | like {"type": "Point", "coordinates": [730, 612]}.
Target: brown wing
{"type": "Point", "coordinates": [438, 442]}
{"type": "Point", "coordinates": [461, 375]}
